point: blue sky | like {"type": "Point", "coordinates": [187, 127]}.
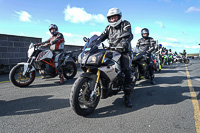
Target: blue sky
{"type": "Point", "coordinates": [174, 23]}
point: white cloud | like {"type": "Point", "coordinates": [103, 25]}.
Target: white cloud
{"type": "Point", "coordinates": [24, 16]}
{"type": "Point", "coordinates": [166, 44]}
{"type": "Point", "coordinates": [95, 33]}
{"type": "Point", "coordinates": [47, 20]}
{"type": "Point", "coordinates": [79, 15]}
{"type": "Point", "coordinates": [138, 30]}
{"type": "Point", "coordinates": [193, 47]}
{"type": "Point", "coordinates": [196, 47]}
{"type": "Point", "coordinates": [68, 34]}
{"type": "Point", "coordinates": [172, 39]}
{"type": "Point", "coordinates": [160, 23]}
{"type": "Point", "coordinates": [48, 33]}
{"type": "Point", "coordinates": [192, 9]}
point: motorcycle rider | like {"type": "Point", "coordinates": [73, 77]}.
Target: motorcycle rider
{"type": "Point", "coordinates": [159, 52]}
{"type": "Point", "coordinates": [184, 53]}
{"type": "Point", "coordinates": [146, 44]}
{"type": "Point", "coordinates": [170, 54]}
{"type": "Point", "coordinates": [115, 28]}
{"type": "Point", "coordinates": [56, 43]}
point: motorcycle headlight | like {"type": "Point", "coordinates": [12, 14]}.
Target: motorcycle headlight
{"type": "Point", "coordinates": [94, 59]}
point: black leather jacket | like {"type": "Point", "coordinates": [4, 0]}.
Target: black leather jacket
{"type": "Point", "coordinates": [113, 34]}
{"type": "Point", "coordinates": [184, 53]}
{"type": "Point", "coordinates": [147, 45]}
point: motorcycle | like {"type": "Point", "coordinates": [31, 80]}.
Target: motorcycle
{"type": "Point", "coordinates": [165, 59]}
{"type": "Point", "coordinates": [170, 59]}
{"type": "Point", "coordinates": [184, 59]}
{"type": "Point", "coordinates": [140, 64]}
{"type": "Point", "coordinates": [175, 58]}
{"type": "Point", "coordinates": [102, 76]}
{"type": "Point", "coordinates": [23, 74]}
{"type": "Point", "coordinates": [157, 62]}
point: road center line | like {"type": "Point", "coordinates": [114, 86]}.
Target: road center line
{"type": "Point", "coordinates": [194, 102]}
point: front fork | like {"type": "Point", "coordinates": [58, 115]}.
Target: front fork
{"type": "Point", "coordinates": [96, 90]}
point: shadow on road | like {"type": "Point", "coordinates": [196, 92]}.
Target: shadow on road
{"type": "Point", "coordinates": [32, 105]}
{"type": "Point", "coordinates": [142, 98]}
{"type": "Point", "coordinates": [67, 82]}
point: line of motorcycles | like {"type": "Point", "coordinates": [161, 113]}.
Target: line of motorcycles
{"type": "Point", "coordinates": [170, 59]}
{"type": "Point", "coordinates": [101, 78]}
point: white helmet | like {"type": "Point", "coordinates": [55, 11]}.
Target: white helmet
{"type": "Point", "coordinates": [113, 12]}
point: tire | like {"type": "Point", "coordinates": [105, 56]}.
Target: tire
{"type": "Point", "coordinates": [79, 107]}
{"type": "Point", "coordinates": [69, 70]}
{"type": "Point", "coordinates": [18, 69]}
{"type": "Point", "coordinates": [186, 61]}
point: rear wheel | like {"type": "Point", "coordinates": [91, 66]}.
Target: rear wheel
{"type": "Point", "coordinates": [186, 61]}
{"type": "Point", "coordinates": [69, 70]}
{"type": "Point", "coordinates": [17, 78]}
{"type": "Point", "coordinates": [81, 100]}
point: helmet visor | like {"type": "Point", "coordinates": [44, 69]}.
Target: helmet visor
{"type": "Point", "coordinates": [113, 18]}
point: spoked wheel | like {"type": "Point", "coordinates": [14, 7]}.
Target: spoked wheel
{"type": "Point", "coordinates": [70, 70]}
{"type": "Point", "coordinates": [82, 101]}
{"type": "Point", "coordinates": [17, 78]}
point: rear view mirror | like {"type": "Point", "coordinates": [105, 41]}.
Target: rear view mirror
{"type": "Point", "coordinates": [85, 39]}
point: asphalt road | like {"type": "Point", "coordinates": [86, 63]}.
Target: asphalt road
{"type": "Point", "coordinates": [167, 107]}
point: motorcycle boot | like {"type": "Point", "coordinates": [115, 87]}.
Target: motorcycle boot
{"type": "Point", "coordinates": [61, 79]}
{"type": "Point", "coordinates": [127, 97]}
{"type": "Point", "coordinates": [151, 69]}
{"type": "Point", "coordinates": [153, 80]}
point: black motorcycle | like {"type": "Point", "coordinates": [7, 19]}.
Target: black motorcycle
{"type": "Point", "coordinates": [140, 64]}
{"type": "Point", "coordinates": [23, 74]}
{"type": "Point", "coordinates": [102, 76]}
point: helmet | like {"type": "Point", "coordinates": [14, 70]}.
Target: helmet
{"type": "Point", "coordinates": [160, 45]}
{"type": "Point", "coordinates": [145, 30]}
{"type": "Point", "coordinates": [53, 26]}
{"type": "Point", "coordinates": [113, 12]}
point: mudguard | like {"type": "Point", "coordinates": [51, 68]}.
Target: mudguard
{"type": "Point", "coordinates": [26, 67]}
{"type": "Point", "coordinates": [91, 76]}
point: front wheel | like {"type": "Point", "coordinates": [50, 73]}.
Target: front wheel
{"type": "Point", "coordinates": [69, 70]}
{"type": "Point", "coordinates": [18, 79]}
{"type": "Point", "coordinates": [81, 100]}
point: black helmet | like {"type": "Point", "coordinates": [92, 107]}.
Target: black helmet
{"type": "Point", "coordinates": [53, 26]}
{"type": "Point", "coordinates": [143, 31]}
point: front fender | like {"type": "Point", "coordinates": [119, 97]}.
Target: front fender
{"type": "Point", "coordinates": [26, 67]}
{"type": "Point", "coordinates": [91, 76]}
